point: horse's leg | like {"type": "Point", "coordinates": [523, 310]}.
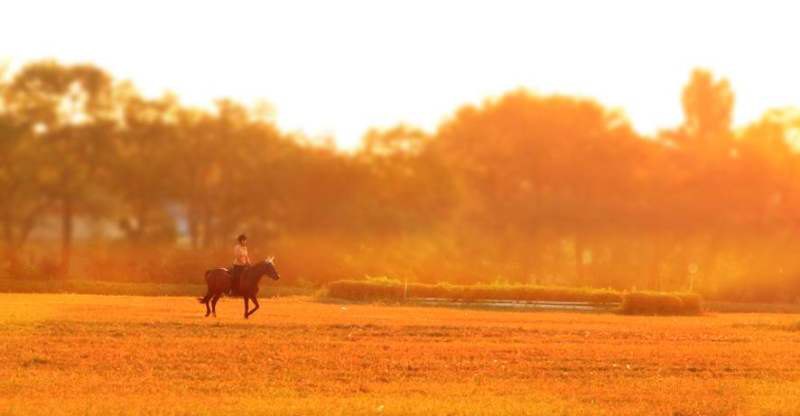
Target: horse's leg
{"type": "Point", "coordinates": [255, 302]}
{"type": "Point", "coordinates": [214, 304]}
{"type": "Point", "coordinates": [246, 307]}
{"type": "Point", "coordinates": [205, 301]}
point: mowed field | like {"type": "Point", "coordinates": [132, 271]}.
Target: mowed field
{"type": "Point", "coordinates": [88, 354]}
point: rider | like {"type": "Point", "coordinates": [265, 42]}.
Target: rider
{"type": "Point", "coordinates": [240, 261]}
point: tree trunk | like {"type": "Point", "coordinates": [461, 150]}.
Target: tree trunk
{"type": "Point", "coordinates": [580, 271]}
{"type": "Point", "coordinates": [9, 250]}
{"type": "Point", "coordinates": [66, 234]}
{"type": "Point", "coordinates": [655, 265]}
{"type": "Point", "coordinates": [711, 264]}
{"type": "Point", "coordinates": [206, 228]}
{"type": "Point", "coordinates": [191, 224]}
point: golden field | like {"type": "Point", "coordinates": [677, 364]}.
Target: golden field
{"type": "Point", "coordinates": [89, 354]}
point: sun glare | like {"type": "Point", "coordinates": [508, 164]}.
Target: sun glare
{"type": "Point", "coordinates": [334, 69]}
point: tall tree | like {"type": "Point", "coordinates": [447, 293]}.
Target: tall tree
{"type": "Point", "coordinates": [20, 184]}
{"type": "Point", "coordinates": [708, 113]}
{"type": "Point", "coordinates": [536, 165]}
{"type": "Point", "coordinates": [71, 109]}
{"type": "Point", "coordinates": [143, 175]}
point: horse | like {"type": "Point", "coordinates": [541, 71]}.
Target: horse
{"type": "Point", "coordinates": [219, 281]}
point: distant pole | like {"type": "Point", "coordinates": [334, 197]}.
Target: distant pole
{"type": "Point", "coordinates": [405, 290]}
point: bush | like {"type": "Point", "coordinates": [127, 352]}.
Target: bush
{"type": "Point", "coordinates": [659, 303]}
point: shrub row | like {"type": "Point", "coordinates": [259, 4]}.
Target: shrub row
{"type": "Point", "coordinates": [395, 291]}
{"type": "Point", "coordinates": [660, 303]}
{"type": "Point", "coordinates": [634, 303]}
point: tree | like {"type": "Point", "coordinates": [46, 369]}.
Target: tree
{"type": "Point", "coordinates": [408, 186]}
{"type": "Point", "coordinates": [545, 167]}
{"type": "Point", "coordinates": [145, 167]}
{"type": "Point", "coordinates": [20, 184]}
{"type": "Point", "coordinates": [71, 110]}
{"type": "Point", "coordinates": [708, 113]}
{"type": "Point", "coordinates": [226, 166]}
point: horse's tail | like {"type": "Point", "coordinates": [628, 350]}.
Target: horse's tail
{"type": "Point", "coordinates": [208, 293]}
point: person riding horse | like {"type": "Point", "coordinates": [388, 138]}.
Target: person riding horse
{"type": "Point", "coordinates": [218, 281]}
{"type": "Point", "coordinates": [242, 279]}
{"type": "Point", "coordinates": [240, 262]}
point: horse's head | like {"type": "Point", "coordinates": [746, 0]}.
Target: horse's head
{"type": "Point", "coordinates": [269, 267]}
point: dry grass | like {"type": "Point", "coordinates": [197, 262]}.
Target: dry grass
{"type": "Point", "coordinates": [83, 354]}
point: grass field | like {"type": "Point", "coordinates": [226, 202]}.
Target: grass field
{"type": "Point", "coordinates": [89, 354]}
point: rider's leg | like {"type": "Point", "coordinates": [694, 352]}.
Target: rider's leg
{"type": "Point", "coordinates": [232, 272]}
{"type": "Point", "coordinates": [237, 277]}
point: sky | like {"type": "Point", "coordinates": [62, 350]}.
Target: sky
{"type": "Point", "coordinates": [336, 68]}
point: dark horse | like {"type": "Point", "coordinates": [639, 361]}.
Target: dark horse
{"type": "Point", "coordinates": [219, 281]}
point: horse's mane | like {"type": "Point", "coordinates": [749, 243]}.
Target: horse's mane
{"type": "Point", "coordinates": [259, 267]}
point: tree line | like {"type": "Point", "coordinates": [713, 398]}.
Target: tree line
{"type": "Point", "coordinates": [524, 187]}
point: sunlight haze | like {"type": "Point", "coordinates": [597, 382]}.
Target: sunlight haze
{"type": "Point", "coordinates": [338, 68]}
{"type": "Point", "coordinates": [399, 208]}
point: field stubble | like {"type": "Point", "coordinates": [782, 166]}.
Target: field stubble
{"type": "Point", "coordinates": [85, 354]}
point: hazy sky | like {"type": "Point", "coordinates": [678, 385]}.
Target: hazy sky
{"type": "Point", "coordinates": [338, 67]}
